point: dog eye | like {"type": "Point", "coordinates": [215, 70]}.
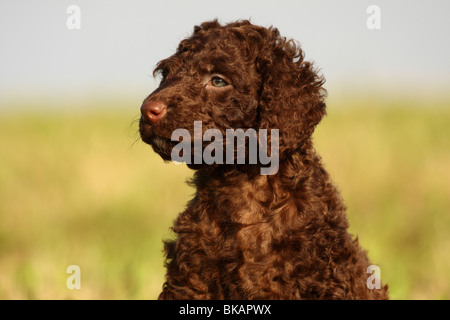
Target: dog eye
{"type": "Point", "coordinates": [218, 82]}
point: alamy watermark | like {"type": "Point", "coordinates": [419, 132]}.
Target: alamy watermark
{"type": "Point", "coordinates": [74, 280]}
{"type": "Point", "coordinates": [235, 147]}
{"type": "Point", "coordinates": [73, 21]}
{"type": "Point", "coordinates": [374, 280]}
{"type": "Point", "coordinates": [373, 21]}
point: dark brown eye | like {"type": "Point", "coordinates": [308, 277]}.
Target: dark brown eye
{"type": "Point", "coordinates": [218, 82]}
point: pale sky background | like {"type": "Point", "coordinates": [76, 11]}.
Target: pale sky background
{"type": "Point", "coordinates": [120, 42]}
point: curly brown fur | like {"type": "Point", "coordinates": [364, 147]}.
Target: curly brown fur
{"type": "Point", "coordinates": [245, 235]}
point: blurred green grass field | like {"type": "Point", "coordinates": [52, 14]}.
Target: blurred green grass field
{"type": "Point", "coordinates": [80, 188]}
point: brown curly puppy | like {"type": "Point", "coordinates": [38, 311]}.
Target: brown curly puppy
{"type": "Point", "coordinates": [246, 235]}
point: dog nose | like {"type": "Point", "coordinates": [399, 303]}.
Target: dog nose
{"type": "Point", "coordinates": [154, 111]}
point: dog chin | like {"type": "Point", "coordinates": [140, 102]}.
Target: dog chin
{"type": "Point", "coordinates": [162, 146]}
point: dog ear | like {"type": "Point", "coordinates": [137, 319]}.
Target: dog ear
{"type": "Point", "coordinates": [291, 97]}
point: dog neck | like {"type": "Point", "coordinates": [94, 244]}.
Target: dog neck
{"type": "Point", "coordinates": [260, 195]}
